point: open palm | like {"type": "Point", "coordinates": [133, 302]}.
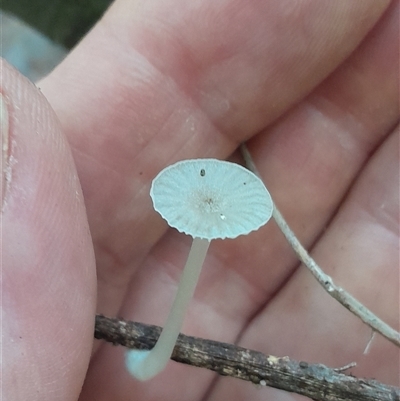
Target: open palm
{"type": "Point", "coordinates": [313, 89]}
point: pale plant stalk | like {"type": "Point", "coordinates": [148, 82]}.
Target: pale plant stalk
{"type": "Point", "coordinates": [144, 364]}
{"type": "Point", "coordinates": [335, 291]}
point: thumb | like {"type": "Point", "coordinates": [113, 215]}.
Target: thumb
{"type": "Point", "coordinates": [48, 268]}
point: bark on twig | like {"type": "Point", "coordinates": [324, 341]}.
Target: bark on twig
{"type": "Point", "coordinates": [315, 381]}
{"type": "Point", "coordinates": [335, 291]}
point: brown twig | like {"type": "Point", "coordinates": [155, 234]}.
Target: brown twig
{"type": "Point", "coordinates": [335, 291]}
{"type": "Point", "coordinates": [315, 381]}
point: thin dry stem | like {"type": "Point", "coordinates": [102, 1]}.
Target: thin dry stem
{"type": "Point", "coordinates": [315, 381]}
{"type": "Point", "coordinates": [335, 291]}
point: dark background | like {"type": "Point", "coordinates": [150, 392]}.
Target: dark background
{"type": "Point", "coordinates": [63, 21]}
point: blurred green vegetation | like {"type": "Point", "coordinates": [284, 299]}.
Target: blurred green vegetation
{"type": "Point", "coordinates": [63, 21]}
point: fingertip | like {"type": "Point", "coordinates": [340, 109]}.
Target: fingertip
{"type": "Point", "coordinates": [4, 147]}
{"type": "Point", "coordinates": [47, 256]}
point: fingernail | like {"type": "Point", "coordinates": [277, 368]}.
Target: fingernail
{"type": "Point", "coordinates": [5, 140]}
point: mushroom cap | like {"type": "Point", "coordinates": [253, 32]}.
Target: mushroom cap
{"type": "Point", "coordinates": [210, 199]}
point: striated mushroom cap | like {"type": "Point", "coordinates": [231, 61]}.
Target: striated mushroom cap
{"type": "Point", "coordinates": [210, 199]}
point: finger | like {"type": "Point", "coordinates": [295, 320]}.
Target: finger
{"type": "Point", "coordinates": [239, 277]}
{"type": "Point", "coordinates": [360, 252]}
{"type": "Point", "coordinates": [148, 87]}
{"type": "Point", "coordinates": [310, 158]}
{"type": "Point", "coordinates": [48, 279]}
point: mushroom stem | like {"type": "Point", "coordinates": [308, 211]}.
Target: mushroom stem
{"type": "Point", "coordinates": [144, 364]}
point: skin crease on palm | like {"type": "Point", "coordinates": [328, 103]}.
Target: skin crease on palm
{"type": "Point", "coordinates": [313, 88]}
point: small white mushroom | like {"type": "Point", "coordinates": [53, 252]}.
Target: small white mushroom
{"type": "Point", "coordinates": [206, 199]}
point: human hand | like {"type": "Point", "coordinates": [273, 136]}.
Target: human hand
{"type": "Point", "coordinates": [316, 97]}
